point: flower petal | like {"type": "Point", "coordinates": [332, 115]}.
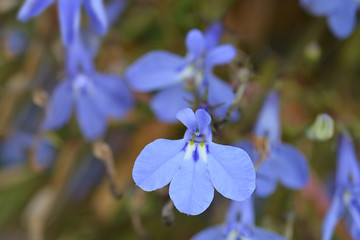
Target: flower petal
{"type": "Point", "coordinates": [114, 10]}
{"type": "Point", "coordinates": [69, 13]}
{"type": "Point", "coordinates": [113, 98]}
{"type": "Point", "coordinates": [268, 122]}
{"type": "Point", "coordinates": [155, 70]}
{"type": "Point", "coordinates": [175, 95]}
{"type": "Point", "coordinates": [266, 175]}
{"type": "Point", "coordinates": [220, 92]}
{"type": "Point", "coordinates": [291, 166]}
{"type": "Point", "coordinates": [343, 20]}
{"type": "Point", "coordinates": [321, 7]}
{"type": "Point", "coordinates": [203, 119]}
{"type": "Point", "coordinates": [158, 163]}
{"type": "Point", "coordinates": [191, 189]}
{"type": "Point", "coordinates": [91, 120]}
{"type": "Point", "coordinates": [266, 181]}
{"type": "Point", "coordinates": [231, 171]}
{"type": "Point", "coordinates": [332, 217]}
{"type": "Point", "coordinates": [187, 117]}
{"type": "Point", "coordinates": [213, 34]}
{"type": "Point", "coordinates": [212, 233]}
{"type": "Point", "coordinates": [59, 108]}
{"type": "Point", "coordinates": [347, 163]}
{"type": "Point", "coordinates": [261, 234]}
{"type": "Point", "coordinates": [195, 43]}
{"type": "Point", "coordinates": [220, 55]}
{"type": "Point", "coordinates": [96, 11]}
{"type": "Point", "coordinates": [32, 8]}
{"type": "Point", "coordinates": [14, 148]}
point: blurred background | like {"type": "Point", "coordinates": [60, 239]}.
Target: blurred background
{"type": "Point", "coordinates": [58, 189]}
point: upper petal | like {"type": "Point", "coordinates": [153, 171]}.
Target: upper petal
{"type": "Point", "coordinates": [158, 163]}
{"type": "Point", "coordinates": [342, 21]}
{"type": "Point", "coordinates": [212, 233]}
{"type": "Point", "coordinates": [96, 11]}
{"type": "Point", "coordinates": [220, 55]}
{"type": "Point", "coordinates": [191, 189]}
{"type": "Point", "coordinates": [291, 166]}
{"type": "Point", "coordinates": [231, 171]}
{"type": "Point", "coordinates": [59, 109]}
{"type": "Point", "coordinates": [32, 8]}
{"type": "Point", "coordinates": [332, 217]}
{"type": "Point", "coordinates": [213, 34]}
{"type": "Point", "coordinates": [195, 43]}
{"type": "Point", "coordinates": [268, 121]}
{"type": "Point", "coordinates": [155, 70]}
{"type": "Point", "coordinates": [347, 163]}
{"type": "Point", "coordinates": [203, 119]}
{"type": "Point", "coordinates": [69, 13]}
{"type": "Point", "coordinates": [187, 117]}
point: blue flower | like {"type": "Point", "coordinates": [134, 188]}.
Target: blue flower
{"type": "Point", "coordinates": [69, 14]}
{"type": "Point", "coordinates": [236, 228]}
{"type": "Point", "coordinates": [16, 147]}
{"type": "Point", "coordinates": [179, 79]}
{"type": "Point", "coordinates": [347, 191]}
{"type": "Point", "coordinates": [195, 165]}
{"type": "Point", "coordinates": [282, 162]}
{"type": "Point", "coordinates": [340, 14]}
{"type": "Point", "coordinates": [95, 97]}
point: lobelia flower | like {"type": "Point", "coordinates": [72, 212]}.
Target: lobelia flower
{"type": "Point", "coordinates": [347, 191]}
{"type": "Point", "coordinates": [16, 146]}
{"type": "Point", "coordinates": [95, 97]}
{"type": "Point", "coordinates": [69, 13]}
{"type": "Point", "coordinates": [238, 229]}
{"type": "Point", "coordinates": [195, 165]}
{"type": "Point", "coordinates": [283, 162]}
{"type": "Point", "coordinates": [179, 79]}
{"type": "Point", "coordinates": [340, 14]}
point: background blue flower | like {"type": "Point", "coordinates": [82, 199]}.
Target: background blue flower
{"type": "Point", "coordinates": [240, 224]}
{"type": "Point", "coordinates": [282, 162]}
{"type": "Point", "coordinates": [69, 15]}
{"type": "Point", "coordinates": [340, 14]}
{"type": "Point", "coordinates": [182, 79]}
{"type": "Point", "coordinates": [347, 191]}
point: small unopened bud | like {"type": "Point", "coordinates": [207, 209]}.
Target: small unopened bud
{"type": "Point", "coordinates": [312, 52]}
{"type": "Point", "coordinates": [40, 98]}
{"type": "Point", "coordinates": [322, 129]}
{"type": "Point", "coordinates": [243, 74]}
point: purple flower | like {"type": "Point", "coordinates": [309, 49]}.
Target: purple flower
{"type": "Point", "coordinates": [181, 78]}
{"type": "Point", "coordinates": [15, 150]}
{"type": "Point", "coordinates": [347, 191]}
{"type": "Point", "coordinates": [195, 165]}
{"type": "Point", "coordinates": [94, 97]}
{"type": "Point", "coordinates": [236, 228]}
{"type": "Point", "coordinates": [283, 163]}
{"type": "Point", "coordinates": [340, 14]}
{"type": "Point", "coordinates": [69, 14]}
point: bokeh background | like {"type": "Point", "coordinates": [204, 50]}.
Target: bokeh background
{"type": "Point", "coordinates": [67, 197]}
